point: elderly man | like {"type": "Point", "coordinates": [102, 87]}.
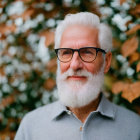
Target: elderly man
{"type": "Point", "coordinates": [83, 46]}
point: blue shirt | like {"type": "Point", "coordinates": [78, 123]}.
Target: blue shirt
{"type": "Point", "coordinates": [55, 122]}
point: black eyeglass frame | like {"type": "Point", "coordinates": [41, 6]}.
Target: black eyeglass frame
{"type": "Point", "coordinates": [78, 50]}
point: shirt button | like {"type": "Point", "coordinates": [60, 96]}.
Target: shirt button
{"type": "Point", "coordinates": [81, 128]}
{"type": "Point", "coordinates": [69, 112]}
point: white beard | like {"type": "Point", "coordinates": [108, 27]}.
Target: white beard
{"type": "Point", "coordinates": [76, 93]}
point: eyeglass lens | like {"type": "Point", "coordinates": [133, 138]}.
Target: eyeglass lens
{"type": "Point", "coordinates": [65, 54]}
{"type": "Point", "coordinates": [86, 54]}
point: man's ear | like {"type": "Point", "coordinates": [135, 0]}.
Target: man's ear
{"type": "Point", "coordinates": [108, 58]}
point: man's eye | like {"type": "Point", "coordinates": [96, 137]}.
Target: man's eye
{"type": "Point", "coordinates": [66, 52]}
{"type": "Point", "coordinates": [88, 52]}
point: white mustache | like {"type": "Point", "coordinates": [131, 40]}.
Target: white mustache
{"type": "Point", "coordinates": [70, 72]}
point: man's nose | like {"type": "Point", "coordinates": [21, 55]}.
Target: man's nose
{"type": "Point", "coordinates": [76, 62]}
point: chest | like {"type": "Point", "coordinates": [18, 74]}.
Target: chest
{"type": "Point", "coordinates": [95, 128]}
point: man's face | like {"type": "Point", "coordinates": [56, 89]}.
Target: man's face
{"type": "Point", "coordinates": [75, 37]}
{"type": "Point", "coordinates": [80, 82]}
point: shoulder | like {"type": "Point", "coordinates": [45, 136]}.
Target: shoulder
{"type": "Point", "coordinates": [122, 111]}
{"type": "Point", "coordinates": [41, 113]}
{"type": "Point", "coordinates": [126, 116]}
{"type": "Point", "coordinates": [36, 120]}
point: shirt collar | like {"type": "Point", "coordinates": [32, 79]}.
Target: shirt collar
{"type": "Point", "coordinates": [57, 110]}
{"type": "Point", "coordinates": [105, 108]}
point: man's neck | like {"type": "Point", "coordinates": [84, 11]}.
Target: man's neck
{"type": "Point", "coordinates": [83, 112]}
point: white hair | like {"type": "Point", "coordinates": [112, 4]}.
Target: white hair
{"type": "Point", "coordinates": [88, 19]}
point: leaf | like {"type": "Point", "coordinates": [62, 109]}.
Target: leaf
{"type": "Point", "coordinates": [128, 22]}
{"type": "Point", "coordinates": [52, 65]}
{"type": "Point", "coordinates": [132, 92]}
{"type": "Point", "coordinates": [133, 30]}
{"type": "Point", "coordinates": [136, 10]}
{"type": "Point", "coordinates": [7, 101]}
{"type": "Point", "coordinates": [134, 57]}
{"type": "Point", "coordinates": [49, 84]}
{"type": "Point", "coordinates": [28, 13]}
{"type": "Point", "coordinates": [136, 88]}
{"type": "Point", "coordinates": [49, 35]}
{"type": "Point", "coordinates": [129, 91]}
{"type": "Point", "coordinates": [7, 29]}
{"type": "Point", "coordinates": [7, 133]}
{"type": "Point", "coordinates": [129, 46]}
{"type": "Point", "coordinates": [118, 87]}
{"type": "Point", "coordinates": [2, 72]}
{"type": "Point", "coordinates": [127, 94]}
{"type": "Point", "coordinates": [138, 67]}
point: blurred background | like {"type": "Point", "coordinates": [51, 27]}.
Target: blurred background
{"type": "Point", "coordinates": [28, 61]}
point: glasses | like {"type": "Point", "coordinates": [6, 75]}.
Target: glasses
{"type": "Point", "coordinates": [87, 54]}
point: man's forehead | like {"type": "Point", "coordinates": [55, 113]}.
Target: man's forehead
{"type": "Point", "coordinates": [79, 35]}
